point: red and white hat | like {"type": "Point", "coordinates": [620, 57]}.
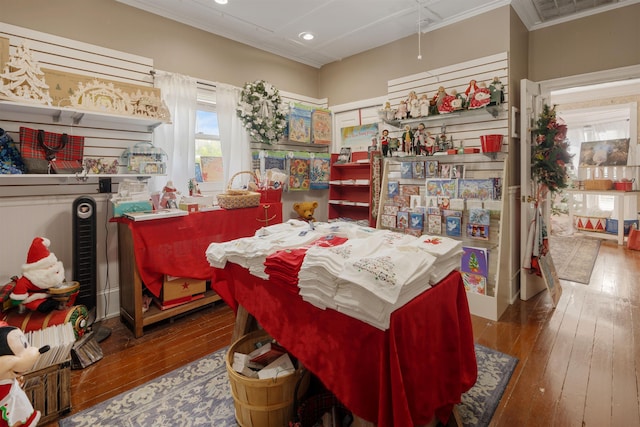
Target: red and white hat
{"type": "Point", "coordinates": [39, 255]}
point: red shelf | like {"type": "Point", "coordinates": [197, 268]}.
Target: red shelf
{"type": "Point", "coordinates": [344, 188]}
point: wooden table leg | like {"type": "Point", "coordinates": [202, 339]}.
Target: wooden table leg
{"type": "Point", "coordinates": [244, 324]}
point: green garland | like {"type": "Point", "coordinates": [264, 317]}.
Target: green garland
{"type": "Point", "coordinates": [549, 154]}
{"type": "Point", "coordinates": [261, 111]}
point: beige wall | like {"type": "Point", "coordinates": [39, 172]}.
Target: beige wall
{"type": "Point", "coordinates": [365, 75]}
{"type": "Point", "coordinates": [600, 42]}
{"type": "Point", "coordinates": [173, 47]}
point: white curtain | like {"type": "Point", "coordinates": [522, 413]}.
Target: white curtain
{"type": "Point", "coordinates": [234, 139]}
{"type": "Point", "coordinates": [177, 138]}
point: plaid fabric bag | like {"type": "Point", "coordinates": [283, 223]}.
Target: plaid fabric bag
{"type": "Point", "coordinates": [50, 152]}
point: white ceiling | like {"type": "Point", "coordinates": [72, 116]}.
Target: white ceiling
{"type": "Point", "coordinates": [347, 27]}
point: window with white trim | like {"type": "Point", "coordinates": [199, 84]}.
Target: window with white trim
{"type": "Point", "coordinates": [207, 142]}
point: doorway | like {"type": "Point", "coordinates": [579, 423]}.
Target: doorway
{"type": "Point", "coordinates": [597, 95]}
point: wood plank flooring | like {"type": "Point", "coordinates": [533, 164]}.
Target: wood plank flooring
{"type": "Point", "coordinates": [578, 363]}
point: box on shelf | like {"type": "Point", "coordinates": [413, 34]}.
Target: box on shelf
{"type": "Point", "coordinates": [189, 207]}
{"type": "Point", "coordinates": [591, 223]}
{"type": "Point", "coordinates": [598, 184]}
{"type": "Point", "coordinates": [121, 208]}
{"type": "Point", "coordinates": [181, 288]}
{"type": "Point", "coordinates": [612, 225]}
{"type": "Point", "coordinates": [144, 158]}
{"type": "Point", "coordinates": [49, 391]}
{"type": "Point", "coordinates": [471, 150]}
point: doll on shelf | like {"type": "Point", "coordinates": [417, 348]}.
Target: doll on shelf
{"type": "Point", "coordinates": [497, 92]}
{"type": "Point", "coordinates": [459, 101]}
{"type": "Point", "coordinates": [407, 139]}
{"type": "Point", "coordinates": [481, 97]}
{"type": "Point", "coordinates": [424, 105]}
{"type": "Point", "coordinates": [413, 104]}
{"type": "Point", "coordinates": [402, 112]}
{"type": "Point", "coordinates": [384, 142]}
{"type": "Point", "coordinates": [419, 139]}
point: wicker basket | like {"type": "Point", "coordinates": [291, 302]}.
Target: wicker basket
{"type": "Point", "coordinates": [598, 184]}
{"type": "Point", "coordinates": [261, 402]}
{"type": "Point", "coordinates": [236, 199]}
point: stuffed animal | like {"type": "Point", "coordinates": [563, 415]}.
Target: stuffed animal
{"type": "Point", "coordinates": [306, 210]}
{"type": "Point", "coordinates": [41, 272]}
{"type": "Point", "coordinates": [16, 357]}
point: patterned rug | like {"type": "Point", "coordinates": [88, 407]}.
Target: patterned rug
{"type": "Point", "coordinates": [574, 257]}
{"type": "Point", "coordinates": [198, 394]}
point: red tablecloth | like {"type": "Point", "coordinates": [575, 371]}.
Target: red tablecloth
{"type": "Point", "coordinates": [404, 376]}
{"type": "Point", "coordinates": [177, 245]}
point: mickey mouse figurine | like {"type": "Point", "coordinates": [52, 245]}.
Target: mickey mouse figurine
{"type": "Point", "coordinates": [16, 357]}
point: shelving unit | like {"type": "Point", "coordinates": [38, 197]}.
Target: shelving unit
{"type": "Point", "coordinates": [353, 189]}
{"type": "Point", "coordinates": [74, 117]}
{"type": "Point", "coordinates": [477, 166]}
{"type": "Point", "coordinates": [623, 201]}
{"type": "Point", "coordinates": [44, 116]}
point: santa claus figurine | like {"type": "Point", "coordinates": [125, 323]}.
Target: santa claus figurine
{"type": "Point", "coordinates": [41, 272]}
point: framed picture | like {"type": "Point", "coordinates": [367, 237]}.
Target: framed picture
{"type": "Point", "coordinates": [431, 169]}
{"type": "Point", "coordinates": [444, 170]}
{"type": "Point", "coordinates": [457, 171]}
{"type": "Point", "coordinates": [613, 152]}
{"type": "Point", "coordinates": [550, 276]}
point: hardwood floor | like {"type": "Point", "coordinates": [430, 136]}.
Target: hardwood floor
{"type": "Point", "coordinates": [578, 363]}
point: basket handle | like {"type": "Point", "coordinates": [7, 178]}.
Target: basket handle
{"type": "Point", "coordinates": [230, 183]}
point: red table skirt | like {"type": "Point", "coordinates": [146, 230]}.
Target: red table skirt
{"type": "Point", "coordinates": [177, 245]}
{"type": "Point", "coordinates": [404, 376]}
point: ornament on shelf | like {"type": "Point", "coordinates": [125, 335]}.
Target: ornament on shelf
{"type": "Point", "coordinates": [148, 104]}
{"type": "Point", "coordinates": [22, 79]}
{"type": "Point", "coordinates": [101, 96]}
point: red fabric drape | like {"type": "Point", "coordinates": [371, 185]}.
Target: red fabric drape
{"type": "Point", "coordinates": [404, 376]}
{"type": "Point", "coordinates": [177, 245]}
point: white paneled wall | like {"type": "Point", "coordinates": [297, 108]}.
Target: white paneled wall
{"type": "Point", "coordinates": [49, 214]}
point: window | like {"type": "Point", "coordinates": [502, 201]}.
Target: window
{"type": "Point", "coordinates": [208, 149]}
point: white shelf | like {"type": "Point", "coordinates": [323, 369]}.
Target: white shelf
{"type": "Point", "coordinates": [493, 110]}
{"type": "Point", "coordinates": [70, 116]}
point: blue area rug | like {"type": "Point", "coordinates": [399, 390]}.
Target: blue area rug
{"type": "Point", "coordinates": [198, 394]}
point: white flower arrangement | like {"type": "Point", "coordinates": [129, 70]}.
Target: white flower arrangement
{"type": "Point", "coordinates": [261, 111]}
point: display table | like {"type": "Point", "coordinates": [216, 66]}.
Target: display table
{"type": "Point", "coordinates": [404, 376]}
{"type": "Point", "coordinates": [176, 246]}
{"type": "Point", "coordinates": [623, 200]}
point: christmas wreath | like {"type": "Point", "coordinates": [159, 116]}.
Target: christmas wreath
{"type": "Point", "coordinates": [550, 151]}
{"type": "Point", "coordinates": [261, 111]}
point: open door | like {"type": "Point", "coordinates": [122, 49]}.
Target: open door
{"type": "Point", "coordinates": [531, 101]}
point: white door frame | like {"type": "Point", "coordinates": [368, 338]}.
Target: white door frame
{"type": "Point", "coordinates": [533, 96]}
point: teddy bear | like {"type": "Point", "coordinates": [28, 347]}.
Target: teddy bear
{"type": "Point", "coordinates": [16, 357]}
{"type": "Point", "coordinates": [41, 272]}
{"type": "Point", "coordinates": [306, 210]}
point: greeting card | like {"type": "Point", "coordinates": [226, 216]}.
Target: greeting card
{"type": "Point", "coordinates": [402, 219]}
{"type": "Point", "coordinates": [434, 224]}
{"type": "Point", "coordinates": [416, 220]}
{"type": "Point", "coordinates": [475, 261]}
{"type": "Point", "coordinates": [474, 283]}
{"type": "Point", "coordinates": [453, 226]}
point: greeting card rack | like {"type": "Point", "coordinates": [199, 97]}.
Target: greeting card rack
{"type": "Point", "coordinates": [473, 169]}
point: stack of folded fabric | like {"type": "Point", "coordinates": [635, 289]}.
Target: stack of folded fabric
{"type": "Point", "coordinates": [251, 252]}
{"type": "Point", "coordinates": [283, 266]}
{"type": "Point", "coordinates": [447, 250]}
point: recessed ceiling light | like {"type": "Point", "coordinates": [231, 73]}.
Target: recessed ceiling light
{"type": "Point", "coordinates": [306, 36]}
{"type": "Point", "coordinates": [222, 1]}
